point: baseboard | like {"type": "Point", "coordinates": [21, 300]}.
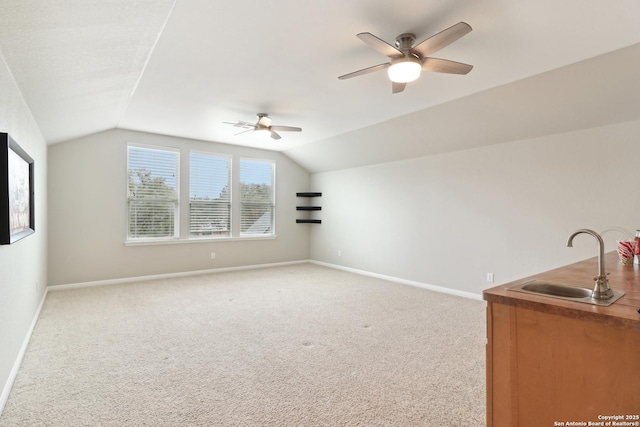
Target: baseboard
{"type": "Point", "coordinates": [168, 275]}
{"type": "Point", "coordinates": [23, 349]}
{"type": "Point", "coordinates": [434, 288]}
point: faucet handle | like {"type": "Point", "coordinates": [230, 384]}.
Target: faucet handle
{"type": "Point", "coordinates": [602, 279]}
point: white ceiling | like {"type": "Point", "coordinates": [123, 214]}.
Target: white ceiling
{"type": "Point", "coordinates": [182, 67]}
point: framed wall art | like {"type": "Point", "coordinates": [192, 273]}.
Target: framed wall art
{"type": "Point", "coordinates": [17, 213]}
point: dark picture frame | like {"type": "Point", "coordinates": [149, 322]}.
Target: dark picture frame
{"type": "Point", "coordinates": [17, 211]}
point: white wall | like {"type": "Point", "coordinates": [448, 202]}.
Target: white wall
{"type": "Point", "coordinates": [87, 214]}
{"type": "Point", "coordinates": [23, 265]}
{"type": "Point", "coordinates": [447, 220]}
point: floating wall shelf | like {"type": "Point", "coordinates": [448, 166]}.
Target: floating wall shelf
{"type": "Point", "coordinates": [308, 208]}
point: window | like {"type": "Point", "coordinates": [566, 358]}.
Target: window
{"type": "Point", "coordinates": [227, 197]}
{"type": "Point", "coordinates": [152, 192]}
{"type": "Point", "coordinates": [257, 197]}
{"type": "Point", "coordinates": [209, 195]}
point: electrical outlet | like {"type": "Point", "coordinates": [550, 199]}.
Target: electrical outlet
{"type": "Point", "coordinates": [489, 277]}
{"type": "Point", "coordinates": [213, 255]}
{"type": "Point", "coordinates": [339, 252]}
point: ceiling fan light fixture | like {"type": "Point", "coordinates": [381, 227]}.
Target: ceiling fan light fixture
{"type": "Point", "coordinates": [262, 133]}
{"type": "Point", "coordinates": [263, 130]}
{"type": "Point", "coordinates": [404, 70]}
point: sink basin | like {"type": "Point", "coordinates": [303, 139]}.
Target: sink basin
{"type": "Point", "coordinates": [565, 292]}
{"type": "Point", "coordinates": [557, 290]}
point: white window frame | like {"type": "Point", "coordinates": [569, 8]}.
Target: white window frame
{"type": "Point", "coordinates": [182, 233]}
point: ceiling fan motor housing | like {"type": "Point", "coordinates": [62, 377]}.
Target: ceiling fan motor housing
{"type": "Point", "coordinates": [405, 41]}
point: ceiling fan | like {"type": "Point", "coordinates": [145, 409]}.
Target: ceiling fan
{"type": "Point", "coordinates": [407, 62]}
{"type": "Point", "coordinates": [263, 127]}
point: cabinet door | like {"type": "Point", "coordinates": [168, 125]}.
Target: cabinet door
{"type": "Point", "coordinates": [574, 370]}
{"type": "Point", "coordinates": [544, 369]}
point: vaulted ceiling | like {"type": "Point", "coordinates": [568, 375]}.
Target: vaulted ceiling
{"type": "Point", "coordinates": [183, 67]}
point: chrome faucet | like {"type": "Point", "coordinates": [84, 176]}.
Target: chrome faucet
{"type": "Point", "coordinates": [601, 289]}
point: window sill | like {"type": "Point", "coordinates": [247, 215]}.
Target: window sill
{"type": "Point", "coordinates": [199, 240]}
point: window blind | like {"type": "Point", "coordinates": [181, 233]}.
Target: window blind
{"type": "Point", "coordinates": [257, 197]}
{"type": "Point", "coordinates": [152, 192]}
{"type": "Point", "coordinates": [209, 195]}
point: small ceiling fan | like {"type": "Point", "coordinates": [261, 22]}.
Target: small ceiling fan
{"type": "Point", "coordinates": [407, 62]}
{"type": "Point", "coordinates": [263, 127]}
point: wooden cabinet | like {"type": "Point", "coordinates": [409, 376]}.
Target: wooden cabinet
{"type": "Point", "coordinates": [555, 363]}
{"type": "Point", "coordinates": [546, 370]}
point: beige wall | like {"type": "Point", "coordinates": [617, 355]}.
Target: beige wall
{"type": "Point", "coordinates": [23, 265]}
{"type": "Point", "coordinates": [87, 214]}
{"type": "Point", "coordinates": [447, 220]}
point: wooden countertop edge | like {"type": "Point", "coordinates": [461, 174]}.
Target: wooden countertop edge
{"type": "Point", "coordinates": [569, 310]}
{"type": "Point", "coordinates": [622, 313]}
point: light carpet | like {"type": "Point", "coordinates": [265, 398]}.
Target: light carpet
{"type": "Point", "coordinates": [297, 345]}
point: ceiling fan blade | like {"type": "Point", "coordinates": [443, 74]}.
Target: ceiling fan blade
{"type": "Point", "coordinates": [244, 131]}
{"type": "Point", "coordinates": [240, 124]}
{"type": "Point", "coordinates": [442, 39]}
{"type": "Point", "coordinates": [397, 87]}
{"type": "Point", "coordinates": [445, 66]}
{"type": "Point", "coordinates": [380, 45]}
{"type": "Point", "coordinates": [365, 71]}
{"type": "Point", "coordinates": [275, 135]}
{"type": "Point", "coordinates": [285, 129]}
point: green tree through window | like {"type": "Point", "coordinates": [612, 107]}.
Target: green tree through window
{"type": "Point", "coordinates": [216, 190]}
{"type": "Point", "coordinates": [152, 193]}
